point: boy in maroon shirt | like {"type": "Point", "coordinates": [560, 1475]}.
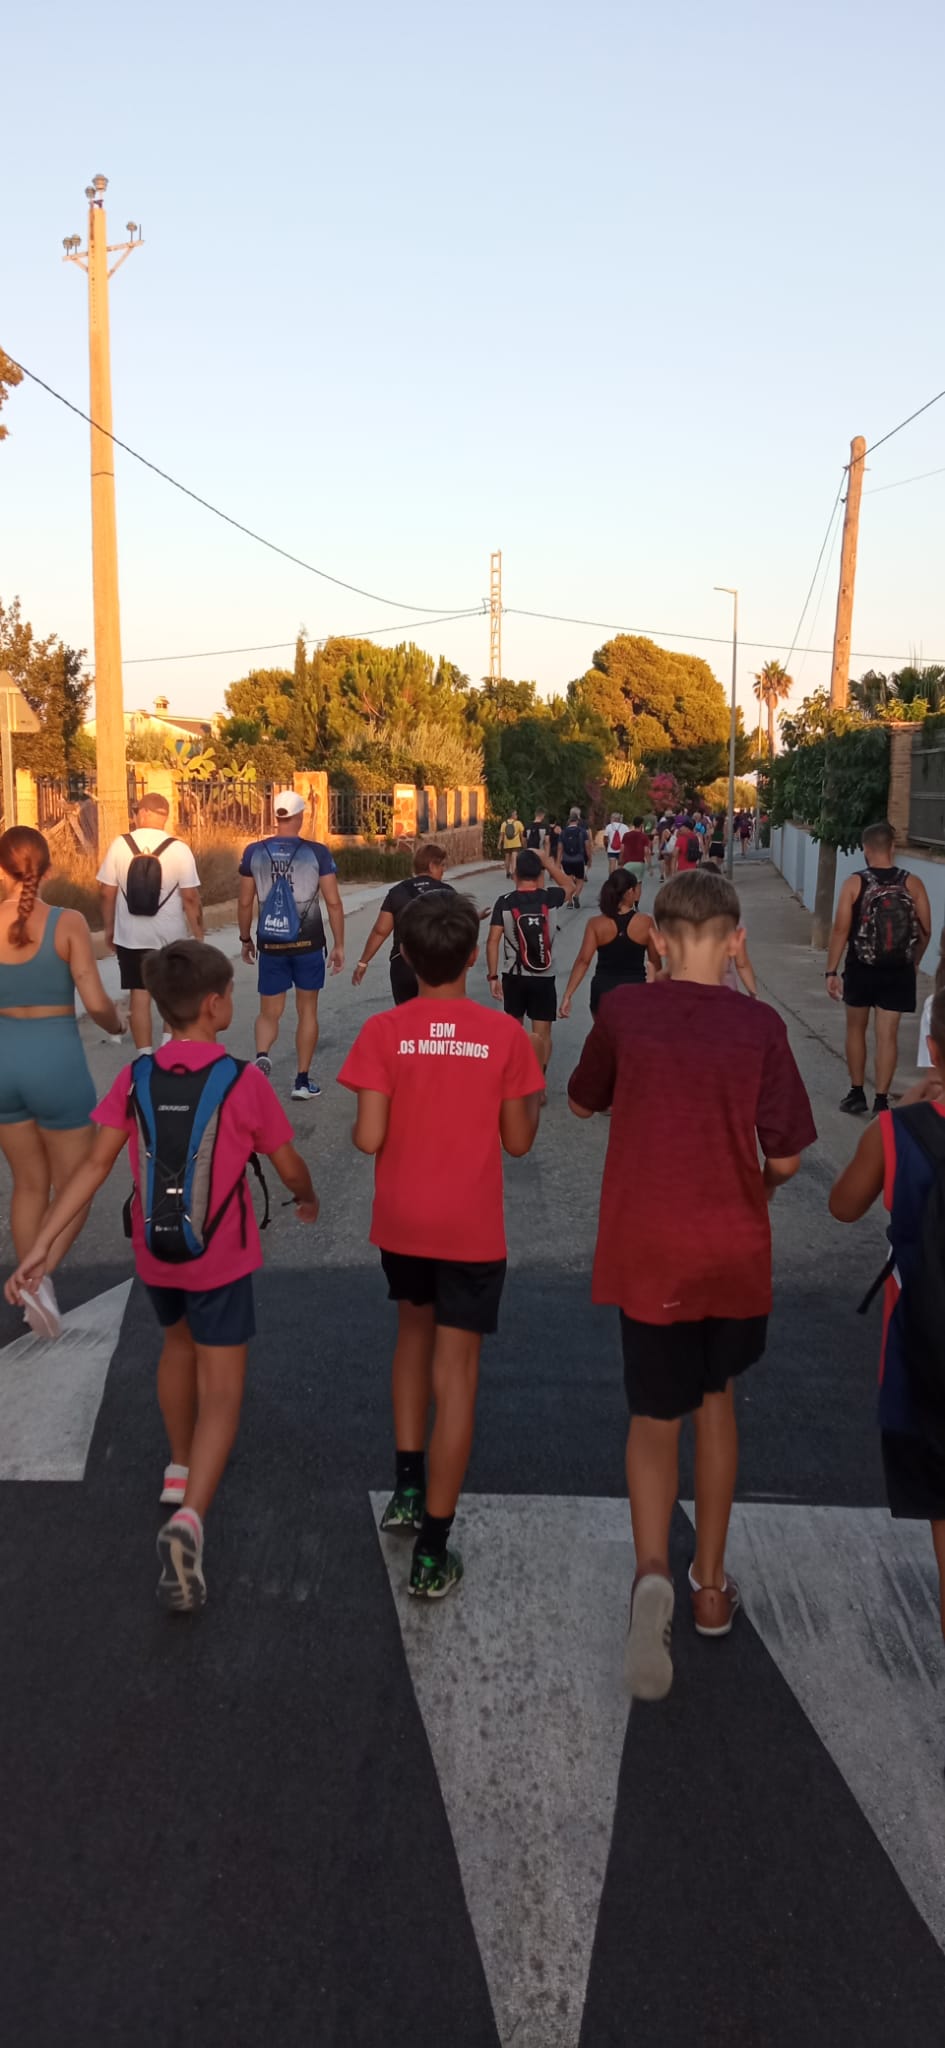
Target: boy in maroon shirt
{"type": "Point", "coordinates": [440, 1070]}
{"type": "Point", "coordinates": [686, 1066]}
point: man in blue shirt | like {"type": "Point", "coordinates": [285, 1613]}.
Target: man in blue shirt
{"type": "Point", "coordinates": [290, 878]}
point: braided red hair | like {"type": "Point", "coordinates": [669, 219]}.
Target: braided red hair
{"type": "Point", "coordinates": [24, 856]}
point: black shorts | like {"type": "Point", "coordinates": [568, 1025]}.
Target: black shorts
{"type": "Point", "coordinates": [668, 1368]}
{"type": "Point", "coordinates": [403, 981]}
{"type": "Point", "coordinates": [130, 961]}
{"type": "Point", "coordinates": [880, 988]}
{"type": "Point", "coordinates": [602, 985]}
{"type": "Point", "coordinates": [463, 1295]}
{"type": "Point", "coordinates": [915, 1478]}
{"type": "Point", "coordinates": [534, 996]}
{"type": "Point", "coordinates": [576, 869]}
{"type": "Point", "coordinates": [214, 1315]}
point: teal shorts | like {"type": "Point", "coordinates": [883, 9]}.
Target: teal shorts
{"type": "Point", "coordinates": [44, 1078]}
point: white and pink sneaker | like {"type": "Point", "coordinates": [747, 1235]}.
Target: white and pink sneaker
{"type": "Point", "coordinates": [181, 1587]}
{"type": "Point", "coordinates": [175, 1486]}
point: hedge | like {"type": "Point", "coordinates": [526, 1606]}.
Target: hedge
{"type": "Point", "coordinates": [835, 785]}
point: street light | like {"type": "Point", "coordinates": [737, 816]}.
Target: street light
{"type": "Point", "coordinates": [727, 591]}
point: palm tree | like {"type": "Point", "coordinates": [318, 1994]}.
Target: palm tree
{"type": "Point", "coordinates": [771, 688]}
{"type": "Point", "coordinates": [873, 692]}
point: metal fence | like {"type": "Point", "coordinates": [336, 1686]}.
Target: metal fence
{"type": "Point", "coordinates": [361, 813]}
{"type": "Point", "coordinates": [927, 794]}
{"type": "Point", "coordinates": [55, 793]}
{"type": "Point", "coordinates": [224, 806]}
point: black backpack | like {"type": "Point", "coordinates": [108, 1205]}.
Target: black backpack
{"type": "Point", "coordinates": [888, 927]}
{"type": "Point", "coordinates": [693, 849]}
{"type": "Point", "coordinates": [178, 1112]}
{"type": "Point", "coordinates": [532, 927]}
{"type": "Point", "coordinates": [142, 890]}
{"type": "Point", "coordinates": [572, 842]}
{"type": "Point", "coordinates": [922, 1280]}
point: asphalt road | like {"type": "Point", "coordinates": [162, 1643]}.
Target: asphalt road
{"type": "Point", "coordinates": [314, 1818]}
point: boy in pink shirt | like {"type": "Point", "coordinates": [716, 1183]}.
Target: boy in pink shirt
{"type": "Point", "coordinates": [197, 1267]}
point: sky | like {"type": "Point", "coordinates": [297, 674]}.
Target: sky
{"type": "Point", "coordinates": [610, 288]}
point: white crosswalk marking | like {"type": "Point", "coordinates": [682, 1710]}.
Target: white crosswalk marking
{"type": "Point", "coordinates": [50, 1394]}
{"type": "Point", "coordinates": [518, 1678]}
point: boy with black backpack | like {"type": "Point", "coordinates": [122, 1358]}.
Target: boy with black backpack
{"type": "Point", "coordinates": [883, 922]}
{"type": "Point", "coordinates": [577, 853]}
{"type": "Point", "coordinates": [524, 926]}
{"type": "Point", "coordinates": [193, 1119]}
{"type": "Point", "coordinates": [902, 1157]}
{"type": "Point", "coordinates": [150, 892]}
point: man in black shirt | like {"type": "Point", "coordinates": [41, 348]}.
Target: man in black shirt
{"type": "Point", "coordinates": [523, 925]}
{"type": "Point", "coordinates": [426, 880]}
{"type": "Point", "coordinates": [536, 832]}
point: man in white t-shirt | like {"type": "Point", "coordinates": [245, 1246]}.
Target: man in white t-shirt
{"type": "Point", "coordinates": [164, 878]}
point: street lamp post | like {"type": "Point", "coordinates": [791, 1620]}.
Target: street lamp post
{"type": "Point", "coordinates": [730, 848]}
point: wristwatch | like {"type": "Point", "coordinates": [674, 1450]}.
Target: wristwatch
{"type": "Point", "coordinates": [246, 938]}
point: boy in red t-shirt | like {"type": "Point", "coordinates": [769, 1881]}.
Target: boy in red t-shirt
{"type": "Point", "coordinates": [204, 1304]}
{"type": "Point", "coordinates": [687, 1068]}
{"type": "Point", "coordinates": [440, 1068]}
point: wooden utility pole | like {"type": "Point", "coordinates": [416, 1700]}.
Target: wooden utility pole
{"type": "Point", "coordinates": [111, 772]}
{"type": "Point", "coordinates": [495, 616]}
{"type": "Point", "coordinates": [840, 672]}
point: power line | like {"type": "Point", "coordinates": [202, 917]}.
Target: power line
{"type": "Point", "coordinates": [901, 481]}
{"type": "Point", "coordinates": [833, 511]}
{"type": "Point", "coordinates": [398, 603]}
{"type": "Point", "coordinates": [905, 423]}
{"type": "Point", "coordinates": [828, 560]}
{"type": "Point", "coordinates": [310, 639]}
{"type": "Point", "coordinates": [706, 639]}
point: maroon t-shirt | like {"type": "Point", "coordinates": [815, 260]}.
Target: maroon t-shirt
{"type": "Point", "coordinates": [699, 1075]}
{"type": "Point", "coordinates": [635, 844]}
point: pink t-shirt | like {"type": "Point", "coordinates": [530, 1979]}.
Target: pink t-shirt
{"type": "Point", "coordinates": [252, 1120]}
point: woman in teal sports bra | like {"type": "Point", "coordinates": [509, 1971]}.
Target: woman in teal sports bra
{"type": "Point", "coordinates": [46, 1090]}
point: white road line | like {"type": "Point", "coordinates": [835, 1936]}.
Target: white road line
{"type": "Point", "coordinates": [518, 1679]}
{"type": "Point", "coordinates": [50, 1394]}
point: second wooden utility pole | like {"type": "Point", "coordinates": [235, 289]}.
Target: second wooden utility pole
{"type": "Point", "coordinates": [840, 672]}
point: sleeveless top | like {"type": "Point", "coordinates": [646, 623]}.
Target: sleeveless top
{"type": "Point", "coordinates": [909, 1177]}
{"type": "Point", "coordinates": [622, 958]}
{"type": "Point", "coordinates": [44, 982]}
{"type": "Point", "coordinates": [864, 877]}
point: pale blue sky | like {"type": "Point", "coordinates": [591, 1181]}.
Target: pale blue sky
{"type": "Point", "coordinates": [608, 288]}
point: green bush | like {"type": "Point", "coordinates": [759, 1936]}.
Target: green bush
{"type": "Point", "coordinates": [834, 786]}
{"type": "Point", "coordinates": [373, 863]}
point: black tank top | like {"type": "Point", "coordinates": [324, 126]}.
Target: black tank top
{"type": "Point", "coordinates": [622, 958]}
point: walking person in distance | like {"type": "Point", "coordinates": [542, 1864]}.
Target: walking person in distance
{"type": "Point", "coordinates": [883, 923]}
{"type": "Point", "coordinates": [150, 892]}
{"type": "Point", "coordinates": [290, 878]}
{"type": "Point", "coordinates": [577, 853]}
{"type": "Point", "coordinates": [429, 863]}
{"type": "Point", "coordinates": [523, 924]}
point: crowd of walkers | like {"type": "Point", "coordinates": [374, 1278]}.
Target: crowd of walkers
{"type": "Point", "coordinates": [676, 1059]}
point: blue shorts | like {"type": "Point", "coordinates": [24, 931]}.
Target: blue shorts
{"type": "Point", "coordinates": [43, 1075]}
{"type": "Point", "coordinates": [278, 972]}
{"type": "Point", "coordinates": [214, 1315]}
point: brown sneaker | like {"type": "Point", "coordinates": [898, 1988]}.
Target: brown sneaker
{"type": "Point", "coordinates": [714, 1607]}
{"type": "Point", "coordinates": [647, 1664]}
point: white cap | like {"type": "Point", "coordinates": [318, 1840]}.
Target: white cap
{"type": "Point", "coordinates": [288, 804]}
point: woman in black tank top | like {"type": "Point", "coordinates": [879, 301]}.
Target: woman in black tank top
{"type": "Point", "coordinates": [618, 943]}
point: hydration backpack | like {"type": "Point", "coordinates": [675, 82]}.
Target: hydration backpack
{"type": "Point", "coordinates": [532, 927]}
{"type": "Point", "coordinates": [279, 923]}
{"type": "Point", "coordinates": [888, 928]}
{"type": "Point", "coordinates": [920, 1270]}
{"type": "Point", "coordinates": [142, 889]}
{"type": "Point", "coordinates": [511, 830]}
{"type": "Point", "coordinates": [572, 842]}
{"type": "Point", "coordinates": [178, 1112]}
{"type": "Point", "coordinates": [693, 850]}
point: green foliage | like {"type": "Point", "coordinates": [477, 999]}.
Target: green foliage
{"type": "Point", "coordinates": [716, 795]}
{"type": "Point", "coordinates": [10, 376]}
{"type": "Point", "coordinates": [835, 782]}
{"type": "Point", "coordinates": [771, 686]}
{"type": "Point", "coordinates": [653, 701]}
{"type": "Point", "coordinates": [53, 680]}
{"type": "Point", "coordinates": [373, 863]}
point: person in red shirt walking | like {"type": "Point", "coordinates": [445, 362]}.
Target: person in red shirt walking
{"type": "Point", "coordinates": [438, 1065]}
{"type": "Point", "coordinates": [635, 851]}
{"type": "Point", "coordinates": [693, 1303]}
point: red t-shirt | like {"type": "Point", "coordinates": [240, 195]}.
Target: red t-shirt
{"type": "Point", "coordinates": [635, 845]}
{"type": "Point", "coordinates": [252, 1120]}
{"type": "Point", "coordinates": [447, 1066]}
{"type": "Point", "coordinates": [683, 842]}
{"type": "Point", "coordinates": [693, 1074]}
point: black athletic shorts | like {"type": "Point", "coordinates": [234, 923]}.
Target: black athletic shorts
{"type": "Point", "coordinates": [130, 961]}
{"type": "Point", "coordinates": [403, 981]}
{"type": "Point", "coordinates": [534, 996]}
{"type": "Point", "coordinates": [603, 984]}
{"type": "Point", "coordinates": [463, 1295]}
{"type": "Point", "coordinates": [668, 1368]}
{"type": "Point", "coordinates": [576, 869]}
{"type": "Point", "coordinates": [915, 1478]}
{"type": "Point", "coordinates": [879, 988]}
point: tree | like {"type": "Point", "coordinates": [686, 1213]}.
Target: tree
{"type": "Point", "coordinates": [653, 701]}
{"type": "Point", "coordinates": [53, 680]}
{"type": "Point", "coordinates": [10, 376]}
{"type": "Point", "coordinates": [771, 688]}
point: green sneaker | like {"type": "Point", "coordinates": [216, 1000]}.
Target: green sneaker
{"type": "Point", "coordinates": [431, 1578]}
{"type": "Point", "coordinates": [404, 1511]}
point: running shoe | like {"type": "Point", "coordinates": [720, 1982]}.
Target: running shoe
{"type": "Point", "coordinates": [854, 1102]}
{"type": "Point", "coordinates": [41, 1310]}
{"type": "Point", "coordinates": [264, 1063]}
{"type": "Point", "coordinates": [714, 1607]}
{"type": "Point", "coordinates": [404, 1511]}
{"type": "Point", "coordinates": [431, 1578]}
{"type": "Point", "coordinates": [647, 1663]}
{"type": "Point", "coordinates": [305, 1090]}
{"type": "Point", "coordinates": [181, 1586]}
{"type": "Point", "coordinates": [880, 1102]}
{"type": "Point", "coordinates": [175, 1486]}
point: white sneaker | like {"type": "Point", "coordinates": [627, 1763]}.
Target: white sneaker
{"type": "Point", "coordinates": [181, 1586]}
{"type": "Point", "coordinates": [648, 1665]}
{"type": "Point", "coordinates": [41, 1310]}
{"type": "Point", "coordinates": [175, 1485]}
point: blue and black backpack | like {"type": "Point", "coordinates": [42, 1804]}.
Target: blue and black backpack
{"type": "Point", "coordinates": [279, 923]}
{"type": "Point", "coordinates": [178, 1112]}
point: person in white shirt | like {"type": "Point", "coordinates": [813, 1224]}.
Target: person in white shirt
{"type": "Point", "coordinates": [164, 893]}
{"type": "Point", "coordinates": [613, 840]}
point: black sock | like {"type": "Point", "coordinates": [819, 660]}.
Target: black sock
{"type": "Point", "coordinates": [433, 1535]}
{"type": "Point", "coordinates": [881, 1102]}
{"type": "Point", "coordinates": [411, 1470]}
